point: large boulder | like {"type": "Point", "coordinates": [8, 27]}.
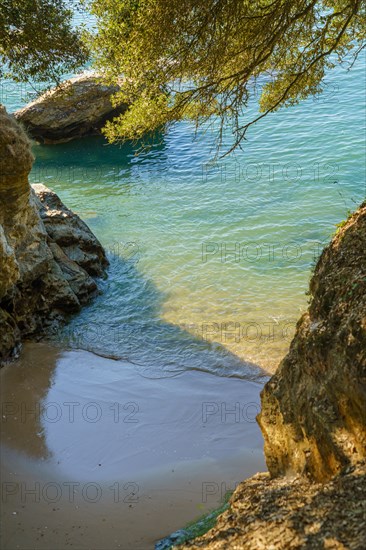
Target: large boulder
{"type": "Point", "coordinates": [313, 415]}
{"type": "Point", "coordinates": [78, 107]}
{"type": "Point", "coordinates": [48, 256]}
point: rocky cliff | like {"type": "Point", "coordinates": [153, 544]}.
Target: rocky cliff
{"type": "Point", "coordinates": [48, 256]}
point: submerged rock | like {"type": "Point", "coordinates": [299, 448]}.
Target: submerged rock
{"type": "Point", "coordinates": [48, 256]}
{"type": "Point", "coordinates": [78, 107]}
{"type": "Point", "coordinates": [167, 542]}
{"type": "Point", "coordinates": [313, 415]}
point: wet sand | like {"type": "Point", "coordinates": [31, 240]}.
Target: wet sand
{"type": "Point", "coordinates": [96, 455]}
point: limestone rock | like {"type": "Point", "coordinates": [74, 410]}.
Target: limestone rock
{"type": "Point", "coordinates": [48, 256]}
{"type": "Point", "coordinates": [313, 415]}
{"type": "Point", "coordinates": [290, 514]}
{"type": "Point", "coordinates": [78, 107]}
{"type": "Point", "coordinates": [16, 158]}
{"type": "Point", "coordinates": [69, 232]}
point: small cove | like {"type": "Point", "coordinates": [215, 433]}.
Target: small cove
{"type": "Point", "coordinates": [209, 269]}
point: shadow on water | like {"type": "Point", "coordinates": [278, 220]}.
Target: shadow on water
{"type": "Point", "coordinates": [124, 322]}
{"type": "Point", "coordinates": [91, 167]}
{"type": "Point", "coordinates": [24, 388]}
{"type": "Point", "coordinates": [95, 151]}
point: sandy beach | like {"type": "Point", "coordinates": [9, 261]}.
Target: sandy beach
{"type": "Point", "coordinates": [95, 454]}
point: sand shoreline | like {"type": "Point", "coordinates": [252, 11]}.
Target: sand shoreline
{"type": "Point", "coordinates": [162, 453]}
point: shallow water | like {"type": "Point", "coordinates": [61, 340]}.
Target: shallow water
{"type": "Point", "coordinates": [222, 252]}
{"type": "Point", "coordinates": [95, 455]}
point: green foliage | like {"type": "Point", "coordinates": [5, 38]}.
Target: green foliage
{"type": "Point", "coordinates": [37, 40]}
{"type": "Point", "coordinates": [342, 223]}
{"type": "Point", "coordinates": [209, 57]}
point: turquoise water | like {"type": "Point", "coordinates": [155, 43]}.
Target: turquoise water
{"type": "Point", "coordinates": [210, 262]}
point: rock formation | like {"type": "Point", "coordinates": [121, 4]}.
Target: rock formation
{"type": "Point", "coordinates": [78, 107]}
{"type": "Point", "coordinates": [313, 415]}
{"type": "Point", "coordinates": [283, 514]}
{"type": "Point", "coordinates": [48, 256]}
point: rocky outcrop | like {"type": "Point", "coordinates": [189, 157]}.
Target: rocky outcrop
{"type": "Point", "coordinates": [48, 256]}
{"type": "Point", "coordinates": [78, 107]}
{"type": "Point", "coordinates": [313, 415]}
{"type": "Point", "coordinates": [70, 233]}
{"type": "Point", "coordinates": [283, 514]}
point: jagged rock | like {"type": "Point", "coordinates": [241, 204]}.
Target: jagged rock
{"type": "Point", "coordinates": [290, 514]}
{"type": "Point", "coordinates": [71, 234]}
{"type": "Point", "coordinates": [78, 107]}
{"type": "Point", "coordinates": [313, 415]}
{"type": "Point", "coordinates": [48, 256]}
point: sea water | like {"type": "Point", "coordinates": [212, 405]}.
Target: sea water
{"type": "Point", "coordinates": [210, 258]}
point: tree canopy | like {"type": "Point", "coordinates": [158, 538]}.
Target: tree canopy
{"type": "Point", "coordinates": [197, 58]}
{"type": "Point", "coordinates": [186, 59]}
{"type": "Point", "coordinates": [38, 41]}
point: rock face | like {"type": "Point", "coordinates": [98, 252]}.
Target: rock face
{"type": "Point", "coordinates": [76, 108]}
{"type": "Point", "coordinates": [283, 514]}
{"type": "Point", "coordinates": [48, 256]}
{"type": "Point", "coordinates": [70, 233]}
{"type": "Point", "coordinates": [313, 414]}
